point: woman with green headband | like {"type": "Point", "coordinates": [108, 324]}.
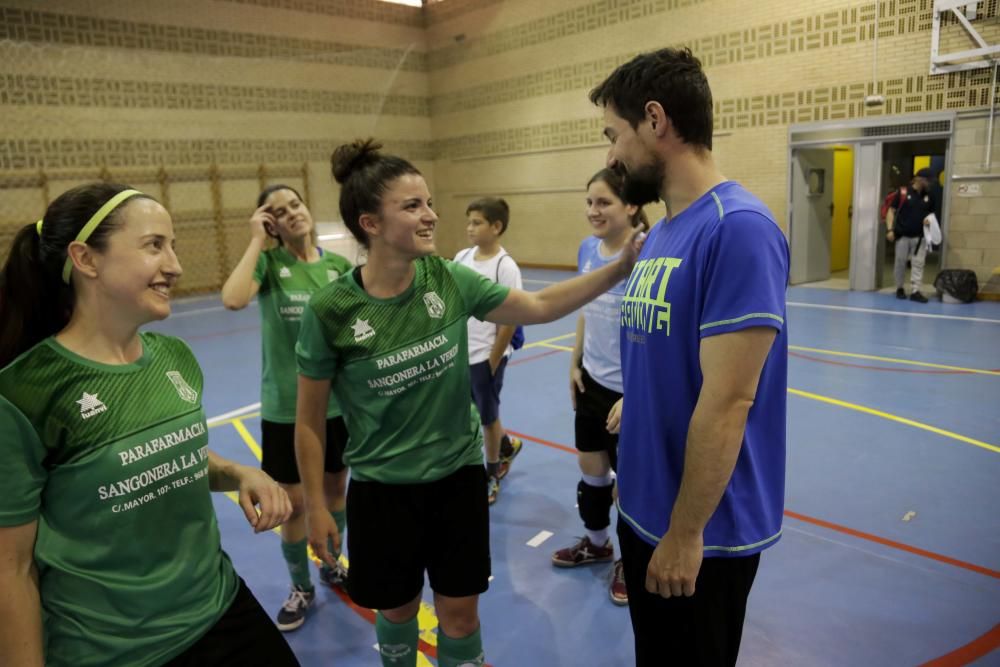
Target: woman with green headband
{"type": "Point", "coordinates": [109, 545]}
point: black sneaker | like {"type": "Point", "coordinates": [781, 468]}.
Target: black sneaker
{"type": "Point", "coordinates": [900, 294]}
{"type": "Point", "coordinates": [333, 576]}
{"type": "Point", "coordinates": [918, 297]}
{"type": "Point", "coordinates": [293, 612]}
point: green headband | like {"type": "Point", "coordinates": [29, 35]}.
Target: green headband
{"type": "Point", "coordinates": [91, 225]}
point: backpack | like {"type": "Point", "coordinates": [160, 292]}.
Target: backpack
{"type": "Point", "coordinates": [517, 340]}
{"type": "Point", "coordinates": [957, 285]}
{"type": "Point", "coordinates": [890, 201]}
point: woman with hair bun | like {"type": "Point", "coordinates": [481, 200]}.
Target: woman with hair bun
{"type": "Point", "coordinates": [109, 544]}
{"type": "Point", "coordinates": [390, 341]}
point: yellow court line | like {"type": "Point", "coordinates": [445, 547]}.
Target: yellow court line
{"type": "Point", "coordinates": [895, 418]}
{"type": "Point", "coordinates": [231, 420]}
{"type": "Point", "coordinates": [247, 438]}
{"type": "Point", "coordinates": [541, 343]}
{"type": "Point", "coordinates": [870, 411]}
{"type": "Point", "coordinates": [891, 360]}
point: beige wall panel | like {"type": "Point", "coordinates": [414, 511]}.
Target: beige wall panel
{"type": "Point", "coordinates": [90, 63]}
{"type": "Point", "coordinates": [79, 123]}
{"type": "Point", "coordinates": [550, 109]}
{"type": "Point", "coordinates": [232, 17]}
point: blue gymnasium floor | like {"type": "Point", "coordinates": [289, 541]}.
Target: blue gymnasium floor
{"type": "Point", "coordinates": [891, 545]}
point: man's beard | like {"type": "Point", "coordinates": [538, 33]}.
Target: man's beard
{"type": "Point", "coordinates": [641, 186]}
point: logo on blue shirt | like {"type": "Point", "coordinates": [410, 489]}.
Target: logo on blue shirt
{"type": "Point", "coordinates": [642, 310]}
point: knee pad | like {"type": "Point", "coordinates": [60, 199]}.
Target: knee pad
{"type": "Point", "coordinates": [595, 505]}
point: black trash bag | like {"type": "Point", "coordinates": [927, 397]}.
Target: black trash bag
{"type": "Point", "coordinates": [959, 284]}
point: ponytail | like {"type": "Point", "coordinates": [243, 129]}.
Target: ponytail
{"type": "Point", "coordinates": [35, 300]}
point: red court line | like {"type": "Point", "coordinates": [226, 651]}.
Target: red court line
{"type": "Point", "coordinates": [974, 650]}
{"type": "Point", "coordinates": [553, 445]}
{"type": "Point", "coordinates": [948, 560]}
{"type": "Point", "coordinates": [880, 368]}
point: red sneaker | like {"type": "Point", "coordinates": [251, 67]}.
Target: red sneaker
{"type": "Point", "coordinates": [584, 552]}
{"type": "Point", "coordinates": [617, 590]}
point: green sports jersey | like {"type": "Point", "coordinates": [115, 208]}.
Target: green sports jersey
{"type": "Point", "coordinates": [285, 287]}
{"type": "Point", "coordinates": [131, 567]}
{"type": "Point", "coordinates": [400, 369]}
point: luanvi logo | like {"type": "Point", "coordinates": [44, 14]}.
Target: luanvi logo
{"type": "Point", "coordinates": [90, 405]}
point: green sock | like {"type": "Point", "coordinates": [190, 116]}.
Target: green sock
{"type": "Point", "coordinates": [464, 652]}
{"type": "Point", "coordinates": [297, 558]}
{"type": "Point", "coordinates": [397, 642]}
{"type": "Point", "coordinates": [340, 517]}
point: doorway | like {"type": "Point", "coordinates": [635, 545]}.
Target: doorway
{"type": "Point", "coordinates": [900, 161]}
{"type": "Point", "coordinates": [839, 175]}
{"type": "Point", "coordinates": [822, 202]}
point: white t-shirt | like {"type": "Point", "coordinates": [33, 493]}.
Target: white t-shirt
{"type": "Point", "coordinates": [500, 268]}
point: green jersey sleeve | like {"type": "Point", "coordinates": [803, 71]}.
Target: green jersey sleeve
{"type": "Point", "coordinates": [314, 357]}
{"type": "Point", "coordinates": [481, 295]}
{"type": "Point", "coordinates": [22, 474]}
{"type": "Point", "coordinates": [260, 271]}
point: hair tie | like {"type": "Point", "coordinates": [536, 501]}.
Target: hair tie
{"type": "Point", "coordinates": [38, 227]}
{"type": "Point", "coordinates": [91, 225]}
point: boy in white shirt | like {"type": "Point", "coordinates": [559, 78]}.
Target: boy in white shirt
{"type": "Point", "coordinates": [490, 344]}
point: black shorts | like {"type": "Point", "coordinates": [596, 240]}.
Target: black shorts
{"type": "Point", "coordinates": [486, 388]}
{"type": "Point", "coordinates": [399, 531]}
{"type": "Point", "coordinates": [591, 421]}
{"type": "Point", "coordinates": [245, 636]}
{"type": "Point", "coordinates": [277, 444]}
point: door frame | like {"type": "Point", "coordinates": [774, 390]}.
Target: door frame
{"type": "Point", "coordinates": [867, 136]}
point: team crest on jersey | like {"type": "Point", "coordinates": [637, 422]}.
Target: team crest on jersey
{"type": "Point", "coordinates": [332, 274]}
{"type": "Point", "coordinates": [90, 405]}
{"type": "Point", "coordinates": [285, 272]}
{"type": "Point", "coordinates": [184, 390]}
{"type": "Point", "coordinates": [362, 330]}
{"type": "Point", "coordinates": [435, 306]}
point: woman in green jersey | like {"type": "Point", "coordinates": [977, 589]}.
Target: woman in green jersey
{"type": "Point", "coordinates": [390, 339]}
{"type": "Point", "coordinates": [284, 278]}
{"type": "Point", "coordinates": [109, 544]}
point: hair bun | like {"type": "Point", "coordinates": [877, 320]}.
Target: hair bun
{"type": "Point", "coordinates": [348, 158]}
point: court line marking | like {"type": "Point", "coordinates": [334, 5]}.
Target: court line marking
{"type": "Point", "coordinates": [226, 417]}
{"type": "Point", "coordinates": [850, 309]}
{"type": "Point", "coordinates": [963, 655]}
{"type": "Point", "coordinates": [948, 560]}
{"type": "Point", "coordinates": [202, 311]}
{"type": "Point", "coordinates": [870, 411]}
{"type": "Point", "coordinates": [895, 313]}
{"type": "Point", "coordinates": [896, 418]}
{"type": "Point", "coordinates": [540, 538]}
{"type": "Point", "coordinates": [892, 360]}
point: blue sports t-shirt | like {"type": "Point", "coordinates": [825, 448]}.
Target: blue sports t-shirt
{"type": "Point", "coordinates": [602, 332]}
{"type": "Point", "coordinates": [721, 265]}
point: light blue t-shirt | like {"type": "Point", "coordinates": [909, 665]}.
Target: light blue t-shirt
{"type": "Point", "coordinates": [602, 331]}
{"type": "Point", "coordinates": [719, 266]}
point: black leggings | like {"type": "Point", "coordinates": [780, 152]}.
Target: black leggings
{"type": "Point", "coordinates": [244, 637]}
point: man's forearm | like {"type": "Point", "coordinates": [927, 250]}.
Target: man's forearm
{"type": "Point", "coordinates": [713, 446]}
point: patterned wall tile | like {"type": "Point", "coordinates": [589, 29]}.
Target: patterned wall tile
{"type": "Point", "coordinates": [367, 10]}
{"type": "Point", "coordinates": [70, 153]}
{"type": "Point", "coordinates": [26, 89]}
{"type": "Point", "coordinates": [592, 16]}
{"type": "Point", "coordinates": [805, 33]}
{"type": "Point", "coordinates": [24, 25]}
